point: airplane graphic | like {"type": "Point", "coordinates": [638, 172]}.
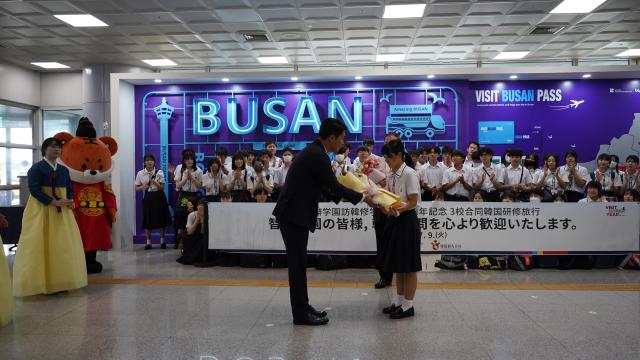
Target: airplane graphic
{"type": "Point", "coordinates": [575, 103]}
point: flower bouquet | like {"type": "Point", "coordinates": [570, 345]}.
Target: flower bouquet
{"type": "Point", "coordinates": [370, 168]}
{"type": "Point", "coordinates": [355, 182]}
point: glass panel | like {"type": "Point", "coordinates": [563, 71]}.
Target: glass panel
{"type": "Point", "coordinates": [55, 121]}
{"type": "Point", "coordinates": [14, 162]}
{"type": "Point", "coordinates": [16, 125]}
{"type": "Point", "coordinates": [10, 197]}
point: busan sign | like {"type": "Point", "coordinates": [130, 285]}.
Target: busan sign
{"type": "Point", "coordinates": [207, 118]}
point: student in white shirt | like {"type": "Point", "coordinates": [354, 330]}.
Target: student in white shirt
{"type": "Point", "coordinates": [468, 161]}
{"type": "Point", "coordinates": [213, 180]}
{"type": "Point", "coordinates": [552, 181]}
{"type": "Point", "coordinates": [414, 155]}
{"type": "Point", "coordinates": [363, 153]}
{"type": "Point", "coordinates": [223, 155]}
{"type": "Point", "coordinates": [610, 182]}
{"type": "Point", "coordinates": [577, 175]}
{"type": "Point", "coordinates": [274, 161]}
{"type": "Point", "coordinates": [631, 178]}
{"type": "Point", "coordinates": [155, 208]}
{"type": "Point", "coordinates": [248, 155]}
{"type": "Point", "coordinates": [516, 178]}
{"type": "Point", "coordinates": [339, 164]}
{"type": "Point", "coordinates": [431, 174]}
{"type": "Point", "coordinates": [423, 157]}
{"type": "Point", "coordinates": [347, 154]}
{"type": "Point", "coordinates": [280, 174]}
{"type": "Point", "coordinates": [260, 178]}
{"type": "Point", "coordinates": [594, 193]}
{"type": "Point", "coordinates": [488, 176]}
{"type": "Point", "coordinates": [236, 181]}
{"type": "Point", "coordinates": [188, 178]}
{"type": "Point", "coordinates": [457, 180]}
{"type": "Point", "coordinates": [531, 164]}
{"type": "Point", "coordinates": [401, 254]}
{"type": "Point", "coordinates": [446, 157]}
{"type": "Point", "coordinates": [194, 238]}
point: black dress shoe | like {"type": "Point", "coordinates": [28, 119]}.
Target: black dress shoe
{"type": "Point", "coordinates": [163, 246]}
{"type": "Point", "coordinates": [381, 284]}
{"type": "Point", "coordinates": [147, 247]}
{"type": "Point", "coordinates": [401, 314]}
{"type": "Point", "coordinates": [391, 309]}
{"type": "Point", "coordinates": [310, 319]}
{"type": "Point", "coordinates": [317, 313]}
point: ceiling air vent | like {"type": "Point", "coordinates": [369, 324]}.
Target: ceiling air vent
{"type": "Point", "coordinates": [255, 37]}
{"type": "Point", "coordinates": [546, 30]}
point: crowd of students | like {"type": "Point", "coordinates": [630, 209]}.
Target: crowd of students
{"type": "Point", "coordinates": [444, 174]}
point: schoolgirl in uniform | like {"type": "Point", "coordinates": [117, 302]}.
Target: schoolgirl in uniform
{"type": "Point", "coordinates": [155, 209]}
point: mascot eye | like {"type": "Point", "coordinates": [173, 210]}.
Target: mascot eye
{"type": "Point", "coordinates": [84, 167]}
{"type": "Point", "coordinates": [99, 160]}
{"type": "Point", "coordinates": [100, 168]}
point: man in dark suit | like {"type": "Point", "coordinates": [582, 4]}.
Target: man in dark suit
{"type": "Point", "coordinates": [309, 176]}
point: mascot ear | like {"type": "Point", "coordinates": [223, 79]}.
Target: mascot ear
{"type": "Point", "coordinates": [64, 137]}
{"type": "Point", "coordinates": [111, 144]}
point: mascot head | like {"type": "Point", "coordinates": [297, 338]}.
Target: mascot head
{"type": "Point", "coordinates": [88, 158]}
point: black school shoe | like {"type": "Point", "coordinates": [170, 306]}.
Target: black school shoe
{"type": "Point", "coordinates": [401, 314]}
{"type": "Point", "coordinates": [391, 309]}
{"type": "Point", "coordinates": [163, 246]}
{"type": "Point", "coordinates": [320, 314]}
{"type": "Point", "coordinates": [147, 247]}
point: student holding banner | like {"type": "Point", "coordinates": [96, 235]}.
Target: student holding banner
{"type": "Point", "coordinates": [401, 236]}
{"type": "Point", "coordinates": [297, 210]}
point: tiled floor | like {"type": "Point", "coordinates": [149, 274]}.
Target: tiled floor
{"type": "Point", "coordinates": [134, 321]}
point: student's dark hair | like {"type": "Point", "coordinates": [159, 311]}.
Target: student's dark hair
{"type": "Point", "coordinates": [633, 158]}
{"type": "Point", "coordinates": [475, 156]}
{"type": "Point", "coordinates": [473, 143]}
{"type": "Point", "coordinates": [49, 142]}
{"type": "Point", "coordinates": [433, 148]}
{"type": "Point", "coordinates": [595, 185]}
{"type": "Point", "coordinates": [485, 151]}
{"type": "Point", "coordinates": [331, 126]}
{"type": "Point", "coordinates": [560, 196]}
{"type": "Point", "coordinates": [509, 194]}
{"type": "Point", "coordinates": [347, 145]}
{"type": "Point", "coordinates": [424, 150]}
{"type": "Point", "coordinates": [482, 195]}
{"type": "Point", "coordinates": [392, 148]}
{"type": "Point", "coordinates": [634, 194]}
{"type": "Point", "coordinates": [237, 156]}
{"type": "Point", "coordinates": [214, 160]}
{"type": "Point", "coordinates": [222, 151]}
{"type": "Point", "coordinates": [606, 157]}
{"type": "Point", "coordinates": [148, 156]}
{"type": "Point", "coordinates": [249, 152]}
{"type": "Point", "coordinates": [267, 143]}
{"type": "Point", "coordinates": [457, 153]}
{"type": "Point", "coordinates": [264, 153]}
{"type": "Point", "coordinates": [225, 195]}
{"type": "Point", "coordinates": [363, 148]}
{"type": "Point", "coordinates": [392, 134]}
{"type": "Point", "coordinates": [515, 152]}
{"type": "Point", "coordinates": [188, 154]}
{"type": "Point", "coordinates": [260, 190]}
{"type": "Point", "coordinates": [571, 153]}
{"type": "Point", "coordinates": [556, 157]}
{"type": "Point", "coordinates": [368, 142]}
{"type": "Point", "coordinates": [287, 149]}
{"type": "Point", "coordinates": [342, 149]}
{"type": "Point", "coordinates": [447, 150]}
{"type": "Point", "coordinates": [538, 192]}
{"type": "Point", "coordinates": [533, 157]}
{"type": "Point", "coordinates": [414, 152]}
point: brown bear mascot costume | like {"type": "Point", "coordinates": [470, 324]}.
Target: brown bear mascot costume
{"type": "Point", "coordinates": [88, 159]}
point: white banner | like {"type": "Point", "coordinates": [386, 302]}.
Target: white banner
{"type": "Point", "coordinates": [450, 227]}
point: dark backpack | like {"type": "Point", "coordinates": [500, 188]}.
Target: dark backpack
{"type": "Point", "coordinates": [520, 263]}
{"type": "Point", "coordinates": [452, 262]}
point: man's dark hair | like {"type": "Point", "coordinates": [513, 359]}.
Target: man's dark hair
{"type": "Point", "coordinates": [49, 142]}
{"type": "Point", "coordinates": [393, 147]}
{"type": "Point", "coordinates": [633, 158]}
{"type": "Point", "coordinates": [368, 142]}
{"type": "Point", "coordinates": [331, 126]}
{"type": "Point", "coordinates": [447, 150]}
{"type": "Point", "coordinates": [222, 151]}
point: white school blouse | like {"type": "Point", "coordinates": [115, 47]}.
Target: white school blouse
{"type": "Point", "coordinates": [582, 171]}
{"type": "Point", "coordinates": [144, 177]}
{"type": "Point", "coordinates": [517, 175]}
{"type": "Point", "coordinates": [404, 182]}
{"type": "Point", "coordinates": [190, 185]}
{"type": "Point", "coordinates": [213, 182]}
{"type": "Point", "coordinates": [452, 174]}
{"type": "Point", "coordinates": [487, 185]}
{"type": "Point", "coordinates": [432, 174]}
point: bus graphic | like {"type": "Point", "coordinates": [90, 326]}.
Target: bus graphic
{"type": "Point", "coordinates": [408, 120]}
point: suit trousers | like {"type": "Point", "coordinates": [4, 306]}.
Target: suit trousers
{"type": "Point", "coordinates": [295, 239]}
{"type": "Point", "coordinates": [379, 223]}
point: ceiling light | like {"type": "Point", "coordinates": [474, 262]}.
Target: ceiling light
{"type": "Point", "coordinates": [630, 53]}
{"type": "Point", "coordinates": [225, 79]}
{"type": "Point", "coordinates": [511, 55]}
{"type": "Point", "coordinates": [431, 76]}
{"type": "Point", "coordinates": [157, 81]}
{"type": "Point", "coordinates": [273, 60]}
{"type": "Point", "coordinates": [513, 77]}
{"type": "Point", "coordinates": [389, 57]}
{"type": "Point", "coordinates": [576, 6]}
{"type": "Point", "coordinates": [403, 11]}
{"type": "Point", "coordinates": [294, 78]}
{"type": "Point", "coordinates": [81, 20]}
{"type": "Point", "coordinates": [586, 76]}
{"type": "Point", "coordinates": [50, 65]}
{"type": "Point", "coordinates": [358, 77]}
{"type": "Point", "coordinates": [159, 62]}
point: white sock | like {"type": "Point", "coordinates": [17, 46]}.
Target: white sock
{"type": "Point", "coordinates": [393, 296]}
{"type": "Point", "coordinates": [407, 304]}
{"type": "Point", "coordinates": [161, 240]}
{"type": "Point", "coordinates": [148, 241]}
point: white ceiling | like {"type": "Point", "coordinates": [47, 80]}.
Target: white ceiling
{"type": "Point", "coordinates": [200, 33]}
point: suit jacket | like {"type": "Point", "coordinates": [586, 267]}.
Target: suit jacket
{"type": "Point", "coordinates": [310, 176]}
